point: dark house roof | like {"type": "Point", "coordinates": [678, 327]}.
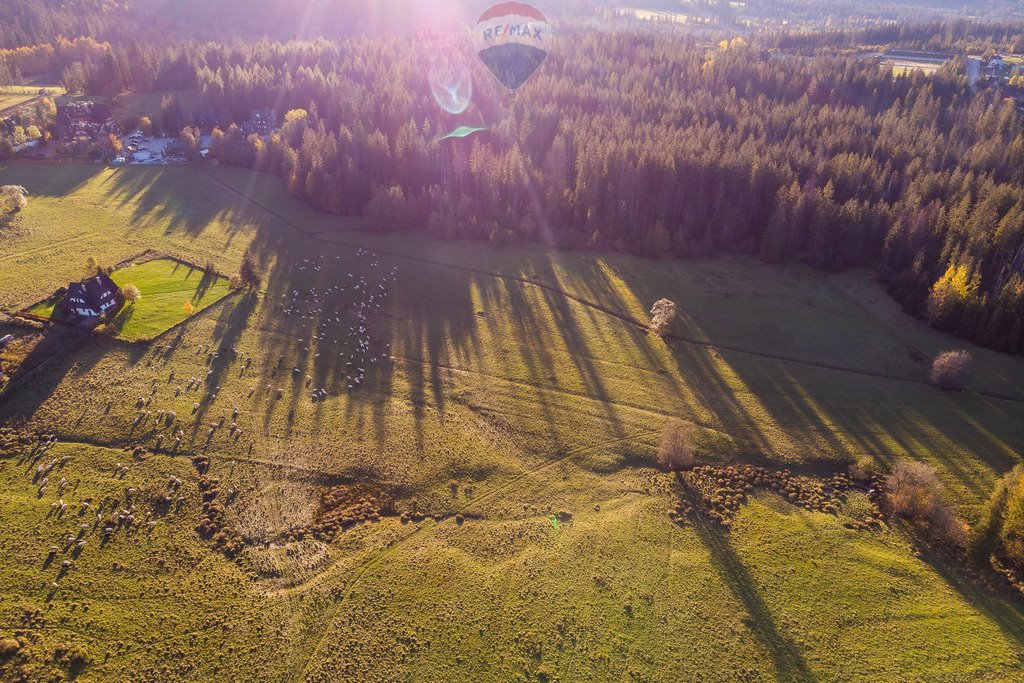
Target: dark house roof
{"type": "Point", "coordinates": [97, 294]}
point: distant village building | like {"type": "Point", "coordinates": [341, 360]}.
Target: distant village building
{"type": "Point", "coordinates": [261, 122]}
{"type": "Point", "coordinates": [174, 149]}
{"type": "Point", "coordinates": [205, 121]}
{"type": "Point", "coordinates": [92, 297]}
{"type": "Point", "coordinates": [84, 122]}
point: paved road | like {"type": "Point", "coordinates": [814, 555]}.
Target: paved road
{"type": "Point", "coordinates": [973, 71]}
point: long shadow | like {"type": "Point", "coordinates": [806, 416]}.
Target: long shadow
{"type": "Point", "coordinates": [122, 318]}
{"type": "Point", "coordinates": [231, 324]}
{"type": "Point", "coordinates": [168, 193]}
{"type": "Point", "coordinates": [1007, 614]}
{"type": "Point", "coordinates": [785, 655]}
{"type": "Point", "coordinates": [40, 371]}
{"type": "Point", "coordinates": [208, 280]}
{"type": "Point", "coordinates": [44, 178]}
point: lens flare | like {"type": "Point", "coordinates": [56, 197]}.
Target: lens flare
{"type": "Point", "coordinates": [451, 84]}
{"type": "Point", "coordinates": [463, 132]}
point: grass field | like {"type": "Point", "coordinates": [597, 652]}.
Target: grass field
{"type": "Point", "coordinates": [12, 96]}
{"type": "Point", "coordinates": [506, 386]}
{"type": "Point", "coordinates": [165, 286]}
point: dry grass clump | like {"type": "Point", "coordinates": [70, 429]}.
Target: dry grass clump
{"type": "Point", "coordinates": [663, 313]}
{"type": "Point", "coordinates": [74, 657]}
{"type": "Point", "coordinates": [950, 370]}
{"type": "Point", "coordinates": [8, 648]}
{"type": "Point", "coordinates": [915, 493]}
{"type": "Point", "coordinates": [865, 469]}
{"type": "Point", "coordinates": [201, 463]}
{"type": "Point", "coordinates": [676, 448]}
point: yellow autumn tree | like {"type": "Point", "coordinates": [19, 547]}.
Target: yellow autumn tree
{"type": "Point", "coordinates": [950, 293]}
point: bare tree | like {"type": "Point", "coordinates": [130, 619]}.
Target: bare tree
{"type": "Point", "coordinates": [676, 448]}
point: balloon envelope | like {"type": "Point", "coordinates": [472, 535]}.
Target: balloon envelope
{"type": "Point", "coordinates": [512, 39]}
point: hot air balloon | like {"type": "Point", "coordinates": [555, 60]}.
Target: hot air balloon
{"type": "Point", "coordinates": [512, 40]}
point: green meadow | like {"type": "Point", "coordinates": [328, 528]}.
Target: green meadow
{"type": "Point", "coordinates": [166, 286]}
{"type": "Point", "coordinates": [171, 292]}
{"type": "Point", "coordinates": [505, 386]}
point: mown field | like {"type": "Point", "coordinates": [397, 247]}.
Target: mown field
{"type": "Point", "coordinates": [505, 386]}
{"type": "Point", "coordinates": [13, 96]}
{"type": "Point", "coordinates": [171, 292]}
{"type": "Point", "coordinates": [166, 286]}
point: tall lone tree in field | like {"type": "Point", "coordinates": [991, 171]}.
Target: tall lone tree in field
{"type": "Point", "coordinates": [662, 315]}
{"type": "Point", "coordinates": [676, 448]}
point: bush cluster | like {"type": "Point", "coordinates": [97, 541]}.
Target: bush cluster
{"type": "Point", "coordinates": [213, 525]}
{"type": "Point", "coordinates": [914, 492]}
{"type": "Point", "coordinates": [340, 508]}
{"type": "Point", "coordinates": [999, 539]}
{"type": "Point", "coordinates": [950, 370]}
{"type": "Point", "coordinates": [720, 491]}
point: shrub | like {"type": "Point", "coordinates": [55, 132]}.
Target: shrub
{"type": "Point", "coordinates": [1001, 531]}
{"type": "Point", "coordinates": [676, 449]}
{"type": "Point", "coordinates": [8, 648]}
{"type": "Point", "coordinates": [235, 282]}
{"type": "Point", "coordinates": [662, 315]}
{"type": "Point", "coordinates": [12, 199]}
{"type": "Point", "coordinates": [914, 492]}
{"type": "Point", "coordinates": [950, 370]}
{"type": "Point", "coordinates": [131, 294]}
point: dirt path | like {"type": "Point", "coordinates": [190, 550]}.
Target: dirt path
{"type": "Point", "coordinates": [382, 556]}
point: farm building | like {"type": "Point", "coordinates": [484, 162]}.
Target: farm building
{"type": "Point", "coordinates": [92, 298]}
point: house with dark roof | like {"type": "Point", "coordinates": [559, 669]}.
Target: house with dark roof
{"type": "Point", "coordinates": [84, 122]}
{"type": "Point", "coordinates": [92, 298]}
{"type": "Point", "coordinates": [261, 122]}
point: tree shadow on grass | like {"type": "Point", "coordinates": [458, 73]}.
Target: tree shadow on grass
{"type": "Point", "coordinates": [786, 658]}
{"type": "Point", "coordinates": [123, 317]}
{"type": "Point", "coordinates": [44, 178]}
{"type": "Point", "coordinates": [1006, 613]}
{"type": "Point", "coordinates": [229, 328]}
{"type": "Point", "coordinates": [208, 280]}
